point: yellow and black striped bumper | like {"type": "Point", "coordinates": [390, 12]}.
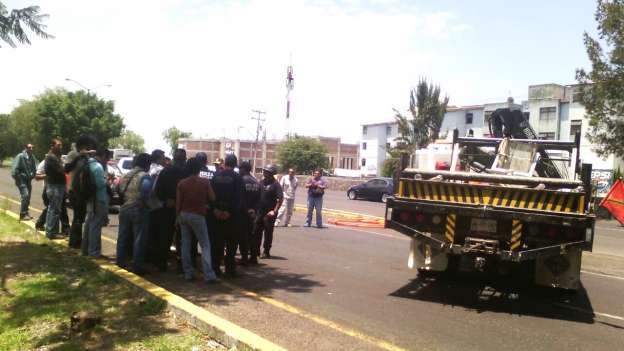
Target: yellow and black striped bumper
{"type": "Point", "coordinates": [494, 196]}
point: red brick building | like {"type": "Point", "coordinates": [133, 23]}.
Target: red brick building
{"type": "Point", "coordinates": [339, 155]}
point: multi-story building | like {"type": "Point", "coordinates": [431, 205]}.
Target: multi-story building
{"type": "Point", "coordinates": [339, 155]}
{"type": "Point", "coordinates": [555, 112]}
{"type": "Point", "coordinates": [377, 139]}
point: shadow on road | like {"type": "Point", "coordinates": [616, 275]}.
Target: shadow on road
{"type": "Point", "coordinates": [262, 279]}
{"type": "Point", "coordinates": [501, 295]}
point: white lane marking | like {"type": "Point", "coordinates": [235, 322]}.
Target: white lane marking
{"type": "Point", "coordinates": [578, 309]}
{"type": "Point", "coordinates": [603, 275]}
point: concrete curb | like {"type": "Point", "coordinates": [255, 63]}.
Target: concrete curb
{"type": "Point", "coordinates": [224, 331]}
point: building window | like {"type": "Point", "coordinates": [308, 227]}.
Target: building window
{"type": "Point", "coordinates": [388, 130]}
{"type": "Point", "coordinates": [469, 118]}
{"type": "Point", "coordinates": [547, 136]}
{"type": "Point", "coordinates": [364, 130]}
{"type": "Point", "coordinates": [575, 127]}
{"type": "Point", "coordinates": [363, 146]}
{"type": "Point", "coordinates": [548, 113]}
{"type": "Point", "coordinates": [363, 162]}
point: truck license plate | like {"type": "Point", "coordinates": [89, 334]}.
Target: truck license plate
{"type": "Point", "coordinates": [483, 225]}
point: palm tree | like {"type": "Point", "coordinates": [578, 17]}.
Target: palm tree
{"type": "Point", "coordinates": [427, 114]}
{"type": "Point", "coordinates": [14, 23]}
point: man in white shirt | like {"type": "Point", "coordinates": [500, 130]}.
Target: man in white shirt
{"type": "Point", "coordinates": [289, 187]}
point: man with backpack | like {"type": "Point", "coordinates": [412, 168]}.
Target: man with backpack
{"type": "Point", "coordinates": [93, 189]}
{"type": "Point", "coordinates": [23, 171]}
{"type": "Point", "coordinates": [134, 189]}
{"type": "Point", "coordinates": [76, 164]}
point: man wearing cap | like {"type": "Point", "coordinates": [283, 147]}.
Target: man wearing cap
{"type": "Point", "coordinates": [228, 188]}
{"type": "Point", "coordinates": [251, 197]}
{"type": "Point", "coordinates": [271, 198]}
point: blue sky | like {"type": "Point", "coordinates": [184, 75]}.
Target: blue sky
{"type": "Point", "coordinates": [204, 65]}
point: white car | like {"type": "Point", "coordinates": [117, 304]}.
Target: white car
{"type": "Point", "coordinates": [125, 164]}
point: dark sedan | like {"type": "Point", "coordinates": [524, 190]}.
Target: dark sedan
{"type": "Point", "coordinates": [378, 189]}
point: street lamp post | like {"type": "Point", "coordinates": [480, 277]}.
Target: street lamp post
{"type": "Point", "coordinates": [85, 88]}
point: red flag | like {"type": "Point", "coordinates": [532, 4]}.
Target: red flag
{"type": "Point", "coordinates": [614, 201]}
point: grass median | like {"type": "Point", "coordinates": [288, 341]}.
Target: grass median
{"type": "Point", "coordinates": [43, 285]}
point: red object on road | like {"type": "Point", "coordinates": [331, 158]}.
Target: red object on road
{"type": "Point", "coordinates": [614, 201]}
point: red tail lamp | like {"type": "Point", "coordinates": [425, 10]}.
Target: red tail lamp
{"type": "Point", "coordinates": [404, 216]}
{"type": "Point", "coordinates": [420, 218]}
{"type": "Point", "coordinates": [552, 232]}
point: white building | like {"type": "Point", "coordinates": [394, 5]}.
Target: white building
{"type": "Point", "coordinates": [376, 139]}
{"type": "Point", "coordinates": [554, 113]}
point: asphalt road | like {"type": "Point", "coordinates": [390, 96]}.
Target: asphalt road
{"type": "Point", "coordinates": [340, 288]}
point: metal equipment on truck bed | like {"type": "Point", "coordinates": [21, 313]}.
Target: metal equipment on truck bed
{"type": "Point", "coordinates": [504, 216]}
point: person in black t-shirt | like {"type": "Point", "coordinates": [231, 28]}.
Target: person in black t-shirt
{"type": "Point", "coordinates": [251, 198]}
{"type": "Point", "coordinates": [228, 188]}
{"type": "Point", "coordinates": [271, 198]}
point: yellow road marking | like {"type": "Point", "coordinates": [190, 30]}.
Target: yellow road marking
{"type": "Point", "coordinates": [196, 310]}
{"type": "Point", "coordinates": [319, 320]}
{"type": "Point", "coordinates": [19, 203]}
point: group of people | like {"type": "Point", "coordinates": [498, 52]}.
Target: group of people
{"type": "Point", "coordinates": [182, 203]}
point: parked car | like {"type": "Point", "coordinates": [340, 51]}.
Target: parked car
{"type": "Point", "coordinates": [378, 189]}
{"type": "Point", "coordinates": [124, 165]}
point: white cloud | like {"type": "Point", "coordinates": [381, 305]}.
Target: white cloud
{"type": "Point", "coordinates": [203, 66]}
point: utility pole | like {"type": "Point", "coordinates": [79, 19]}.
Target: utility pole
{"type": "Point", "coordinates": [259, 121]}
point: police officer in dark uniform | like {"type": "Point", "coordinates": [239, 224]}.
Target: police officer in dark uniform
{"type": "Point", "coordinates": [251, 198]}
{"type": "Point", "coordinates": [228, 188]}
{"type": "Point", "coordinates": [271, 198]}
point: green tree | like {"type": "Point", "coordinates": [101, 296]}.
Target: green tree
{"type": "Point", "coordinates": [389, 167]}
{"type": "Point", "coordinates": [601, 89]}
{"type": "Point", "coordinates": [67, 115]}
{"type": "Point", "coordinates": [13, 24]}
{"type": "Point", "coordinates": [427, 112]}
{"type": "Point", "coordinates": [129, 140]}
{"type": "Point", "coordinates": [6, 147]}
{"type": "Point", "coordinates": [302, 153]}
{"type": "Point", "coordinates": [20, 129]}
{"type": "Point", "coordinates": [172, 135]}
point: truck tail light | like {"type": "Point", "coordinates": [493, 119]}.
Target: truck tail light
{"type": "Point", "coordinates": [420, 218]}
{"type": "Point", "coordinates": [405, 217]}
{"type": "Point", "coordinates": [552, 232]}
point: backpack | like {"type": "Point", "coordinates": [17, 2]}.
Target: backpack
{"type": "Point", "coordinates": [83, 186]}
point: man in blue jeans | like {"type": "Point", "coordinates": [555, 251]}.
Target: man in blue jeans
{"type": "Point", "coordinates": [193, 194]}
{"type": "Point", "coordinates": [23, 171]}
{"type": "Point", "coordinates": [97, 207]}
{"type": "Point", "coordinates": [316, 189]}
{"type": "Point", "coordinates": [55, 187]}
{"type": "Point", "coordinates": [135, 189]}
